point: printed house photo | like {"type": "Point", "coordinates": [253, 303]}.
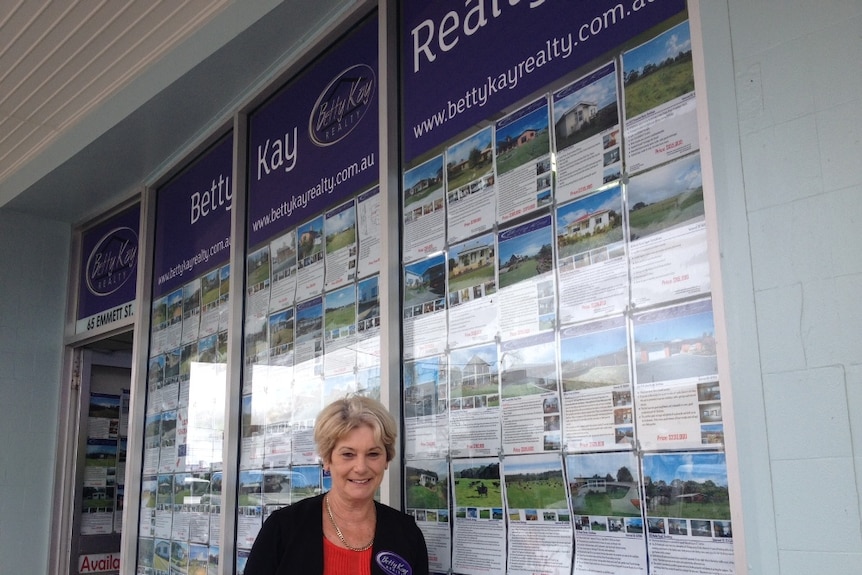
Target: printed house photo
{"type": "Point", "coordinates": [675, 343]}
{"type": "Point", "coordinates": [340, 228]}
{"type": "Point", "coordinates": [283, 250]}
{"type": "Point", "coordinates": [686, 486]}
{"type": "Point", "coordinates": [471, 264]}
{"type": "Point", "coordinates": [604, 484]}
{"type": "Point", "coordinates": [310, 240]}
{"type": "Point", "coordinates": [423, 180]}
{"type": "Point", "coordinates": [427, 485]}
{"type": "Point", "coordinates": [340, 313]}
{"type": "Point", "coordinates": [469, 159]}
{"type": "Point", "coordinates": [424, 387]}
{"type": "Point", "coordinates": [523, 256]}
{"type": "Point", "coordinates": [473, 371]}
{"type": "Point", "coordinates": [424, 282]}
{"type": "Point", "coordinates": [522, 138]}
{"type": "Point", "coordinates": [529, 370]}
{"type": "Point", "coordinates": [257, 274]}
{"type": "Point", "coordinates": [582, 111]}
{"type": "Point", "coordinates": [590, 223]}
{"type": "Point", "coordinates": [658, 71]}
{"type": "Point", "coordinates": [594, 358]}
{"type": "Point", "coordinates": [666, 197]}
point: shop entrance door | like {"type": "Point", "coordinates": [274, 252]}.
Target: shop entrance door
{"type": "Point", "coordinates": [105, 380]}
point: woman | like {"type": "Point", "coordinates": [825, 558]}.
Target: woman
{"type": "Point", "coordinates": [344, 531]}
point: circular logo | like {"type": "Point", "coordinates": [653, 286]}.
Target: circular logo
{"type": "Point", "coordinates": [393, 564]}
{"type": "Point", "coordinates": [113, 261]}
{"type": "Point", "coordinates": [341, 105]}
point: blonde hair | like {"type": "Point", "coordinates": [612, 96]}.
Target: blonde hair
{"type": "Point", "coordinates": [346, 414]}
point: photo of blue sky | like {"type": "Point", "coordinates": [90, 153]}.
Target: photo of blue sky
{"type": "Point", "coordinates": [666, 45]}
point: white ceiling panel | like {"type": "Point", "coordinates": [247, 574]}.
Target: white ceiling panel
{"type": "Point", "coordinates": [59, 60]}
{"type": "Point", "coordinates": [99, 96]}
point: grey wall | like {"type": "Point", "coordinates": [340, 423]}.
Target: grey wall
{"type": "Point", "coordinates": [33, 276]}
{"type": "Point", "coordinates": [784, 97]}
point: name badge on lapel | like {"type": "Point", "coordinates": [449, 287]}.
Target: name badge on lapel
{"type": "Point", "coordinates": [393, 564]}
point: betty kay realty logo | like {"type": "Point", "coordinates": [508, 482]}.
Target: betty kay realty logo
{"type": "Point", "coordinates": [112, 261]}
{"type": "Point", "coordinates": [341, 105]}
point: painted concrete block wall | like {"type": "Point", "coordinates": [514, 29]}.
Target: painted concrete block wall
{"type": "Point", "coordinates": [797, 69]}
{"type": "Point", "coordinates": [33, 278]}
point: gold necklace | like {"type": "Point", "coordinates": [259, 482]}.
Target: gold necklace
{"type": "Point", "coordinates": [340, 534]}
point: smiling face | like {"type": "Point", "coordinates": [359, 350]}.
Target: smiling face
{"type": "Point", "coordinates": [357, 464]}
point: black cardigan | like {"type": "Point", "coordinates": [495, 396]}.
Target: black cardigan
{"type": "Point", "coordinates": [291, 542]}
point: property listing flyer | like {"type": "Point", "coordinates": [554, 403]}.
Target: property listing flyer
{"type": "Point", "coordinates": [369, 219]}
{"type": "Point", "coordinates": [103, 420]}
{"type": "Point", "coordinates": [530, 395]}
{"type": "Point", "coordinates": [474, 402]}
{"type": "Point", "coordinates": [283, 266]}
{"type": "Point", "coordinates": [426, 425]}
{"type": "Point", "coordinates": [689, 529]}
{"type": "Point", "coordinates": [175, 319]}
{"type": "Point", "coordinates": [424, 212]}
{"type": "Point", "coordinates": [149, 487]}
{"type": "Point", "coordinates": [596, 386]}
{"type": "Point", "coordinates": [368, 326]}
{"type": "Point", "coordinates": [426, 492]}
{"type": "Point", "coordinates": [158, 325]}
{"type": "Point", "coordinates": [340, 240]}
{"type": "Point", "coordinates": [667, 233]}
{"type": "Point", "coordinates": [99, 487]}
{"type": "Point", "coordinates": [660, 104]}
{"type": "Point", "coordinates": [591, 257]}
{"type": "Point", "coordinates": [281, 343]}
{"type": "Point", "coordinates": [424, 307]}
{"type": "Point", "coordinates": [164, 506]}
{"type": "Point", "coordinates": [339, 329]}
{"type": "Point", "coordinates": [479, 528]}
{"type": "Point", "coordinates": [309, 338]}
{"type": "Point", "coordinates": [472, 286]}
{"type": "Point", "coordinates": [311, 268]}
{"type": "Point", "coordinates": [251, 432]}
{"type": "Point", "coordinates": [524, 171]}
{"type": "Point", "coordinates": [676, 377]}
{"type": "Point", "coordinates": [215, 292]}
{"type": "Point", "coordinates": [606, 506]}
{"type": "Point", "coordinates": [526, 285]}
{"type": "Point", "coordinates": [191, 312]}
{"type": "Point", "coordinates": [587, 134]}
{"type": "Point", "coordinates": [471, 192]}
{"type": "Point", "coordinates": [540, 523]}
{"type": "Point", "coordinates": [168, 442]}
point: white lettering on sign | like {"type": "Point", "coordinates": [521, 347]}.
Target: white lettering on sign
{"type": "Point", "coordinates": [448, 31]}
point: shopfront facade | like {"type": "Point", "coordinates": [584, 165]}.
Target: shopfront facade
{"type": "Point", "coordinates": [558, 277]}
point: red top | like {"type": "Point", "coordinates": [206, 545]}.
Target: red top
{"type": "Point", "coordinates": [340, 561]}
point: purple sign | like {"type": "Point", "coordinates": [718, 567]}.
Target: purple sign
{"type": "Point", "coordinates": [193, 220]}
{"type": "Point", "coordinates": [462, 62]}
{"type": "Point", "coordinates": [109, 270]}
{"type": "Point", "coordinates": [314, 144]}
